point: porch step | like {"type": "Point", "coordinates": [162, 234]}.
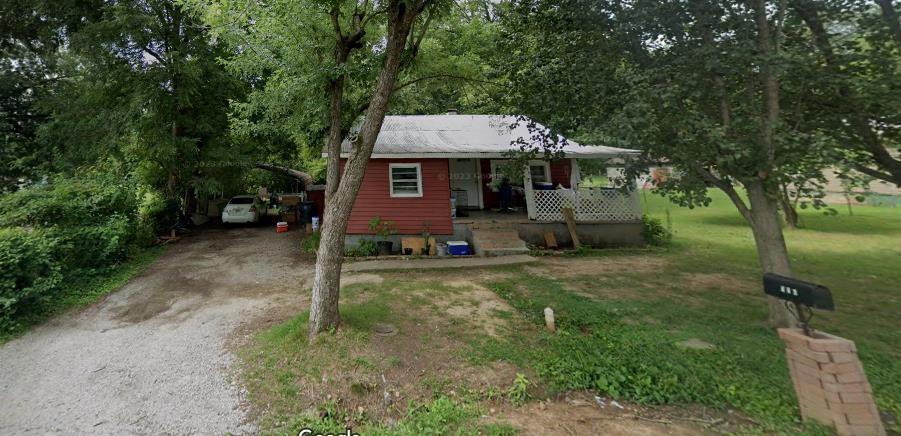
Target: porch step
{"type": "Point", "coordinates": [497, 241]}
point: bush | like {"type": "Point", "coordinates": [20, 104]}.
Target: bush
{"type": "Point", "coordinates": [73, 227]}
{"type": "Point", "coordinates": [87, 200]}
{"type": "Point", "coordinates": [28, 271]}
{"type": "Point", "coordinates": [92, 247]}
{"type": "Point", "coordinates": [365, 248]}
{"type": "Point", "coordinates": [654, 232]}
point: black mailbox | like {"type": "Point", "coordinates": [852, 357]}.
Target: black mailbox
{"type": "Point", "coordinates": [797, 291]}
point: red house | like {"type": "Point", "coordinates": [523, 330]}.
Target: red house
{"type": "Point", "coordinates": [421, 165]}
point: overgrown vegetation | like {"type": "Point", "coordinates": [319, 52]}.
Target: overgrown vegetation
{"type": "Point", "coordinates": [654, 232]}
{"type": "Point", "coordinates": [70, 230]}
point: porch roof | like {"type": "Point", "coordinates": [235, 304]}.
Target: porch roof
{"type": "Point", "coordinates": [465, 136]}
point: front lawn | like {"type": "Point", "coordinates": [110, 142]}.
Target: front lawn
{"type": "Point", "coordinates": [470, 347]}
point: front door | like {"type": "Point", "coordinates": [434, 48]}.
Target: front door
{"type": "Point", "coordinates": [464, 182]}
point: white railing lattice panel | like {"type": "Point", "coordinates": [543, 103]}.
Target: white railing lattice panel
{"type": "Point", "coordinates": [589, 205]}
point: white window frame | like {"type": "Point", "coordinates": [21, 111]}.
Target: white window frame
{"type": "Point", "coordinates": [418, 167]}
{"type": "Point", "coordinates": [543, 163]}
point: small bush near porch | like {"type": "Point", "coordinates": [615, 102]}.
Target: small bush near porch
{"type": "Point", "coordinates": [676, 334]}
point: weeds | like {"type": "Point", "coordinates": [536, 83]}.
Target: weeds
{"type": "Point", "coordinates": [518, 393]}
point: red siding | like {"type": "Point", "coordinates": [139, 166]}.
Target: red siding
{"type": "Point", "coordinates": [317, 197]}
{"type": "Point", "coordinates": [488, 196]}
{"type": "Point", "coordinates": [560, 172]}
{"type": "Point", "coordinates": [408, 214]}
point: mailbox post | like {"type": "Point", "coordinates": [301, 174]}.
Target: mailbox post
{"type": "Point", "coordinates": [800, 297]}
{"type": "Point", "coordinates": [827, 375]}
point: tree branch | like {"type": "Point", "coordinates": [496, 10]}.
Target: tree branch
{"type": "Point", "coordinates": [444, 76]}
{"type": "Point", "coordinates": [155, 55]}
{"type": "Point", "coordinates": [890, 16]}
{"type": "Point", "coordinates": [874, 173]}
{"type": "Point", "coordinates": [726, 187]}
{"type": "Point", "coordinates": [299, 175]}
{"type": "Point", "coordinates": [859, 122]}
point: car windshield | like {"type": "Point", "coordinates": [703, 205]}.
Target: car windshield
{"type": "Point", "coordinates": [241, 200]}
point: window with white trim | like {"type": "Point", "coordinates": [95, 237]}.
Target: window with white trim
{"type": "Point", "coordinates": [540, 171]}
{"type": "Point", "coordinates": [405, 179]}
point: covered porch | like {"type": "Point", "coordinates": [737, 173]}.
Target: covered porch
{"type": "Point", "coordinates": [544, 190]}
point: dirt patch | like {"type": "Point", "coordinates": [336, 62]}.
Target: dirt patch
{"type": "Point", "coordinates": [476, 305]}
{"type": "Point", "coordinates": [696, 344]}
{"type": "Point", "coordinates": [374, 377]}
{"type": "Point", "coordinates": [583, 413]}
{"type": "Point", "coordinates": [353, 279]}
{"type": "Point", "coordinates": [573, 267]}
{"type": "Point", "coordinates": [718, 281]}
{"type": "Point", "coordinates": [601, 294]}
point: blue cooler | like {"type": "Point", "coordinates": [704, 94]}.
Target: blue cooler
{"type": "Point", "coordinates": [457, 248]}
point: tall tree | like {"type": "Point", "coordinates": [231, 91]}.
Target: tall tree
{"type": "Point", "coordinates": [33, 34]}
{"type": "Point", "coordinates": [345, 67]}
{"type": "Point", "coordinates": [144, 84]}
{"type": "Point", "coordinates": [697, 83]}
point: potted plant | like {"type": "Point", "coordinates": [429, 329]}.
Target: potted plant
{"type": "Point", "coordinates": [384, 229]}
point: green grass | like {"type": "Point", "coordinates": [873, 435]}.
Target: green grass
{"type": "Point", "coordinates": [618, 327]}
{"type": "Point", "coordinates": [625, 345]}
{"type": "Point", "coordinates": [83, 290]}
{"type": "Point", "coordinates": [858, 257]}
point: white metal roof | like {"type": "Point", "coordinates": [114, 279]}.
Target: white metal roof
{"type": "Point", "coordinates": [458, 136]}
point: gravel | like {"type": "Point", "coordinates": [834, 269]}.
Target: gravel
{"type": "Point", "coordinates": [152, 357]}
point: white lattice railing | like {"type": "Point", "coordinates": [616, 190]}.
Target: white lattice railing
{"type": "Point", "coordinates": [589, 205]}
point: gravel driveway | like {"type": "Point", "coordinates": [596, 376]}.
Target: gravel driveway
{"type": "Point", "coordinates": [152, 358]}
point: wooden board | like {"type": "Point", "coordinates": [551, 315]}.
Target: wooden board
{"type": "Point", "coordinates": [570, 218]}
{"type": "Point", "coordinates": [549, 240]}
{"type": "Point", "coordinates": [417, 244]}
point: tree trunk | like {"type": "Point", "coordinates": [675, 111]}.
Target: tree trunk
{"type": "Point", "coordinates": [340, 196]}
{"type": "Point", "coordinates": [792, 219]}
{"type": "Point", "coordinates": [324, 312]}
{"type": "Point", "coordinates": [771, 249]}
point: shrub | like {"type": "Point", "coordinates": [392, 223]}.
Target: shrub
{"type": "Point", "coordinates": [28, 270]}
{"type": "Point", "coordinates": [87, 200]}
{"type": "Point", "coordinates": [91, 247]}
{"type": "Point", "coordinates": [70, 228]}
{"type": "Point", "coordinates": [368, 247]}
{"type": "Point", "coordinates": [654, 232]}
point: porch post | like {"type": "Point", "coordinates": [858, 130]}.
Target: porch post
{"type": "Point", "coordinates": [530, 194]}
{"type": "Point", "coordinates": [575, 175]}
{"type": "Point", "coordinates": [635, 199]}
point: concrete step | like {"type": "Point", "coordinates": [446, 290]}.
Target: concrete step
{"type": "Point", "coordinates": [497, 242]}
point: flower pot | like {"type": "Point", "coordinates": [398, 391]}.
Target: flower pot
{"type": "Point", "coordinates": [384, 247]}
{"type": "Point", "coordinates": [408, 251]}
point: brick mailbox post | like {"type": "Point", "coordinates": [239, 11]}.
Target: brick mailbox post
{"type": "Point", "coordinates": [830, 382]}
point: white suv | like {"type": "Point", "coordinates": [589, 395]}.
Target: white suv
{"type": "Point", "coordinates": [242, 209]}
